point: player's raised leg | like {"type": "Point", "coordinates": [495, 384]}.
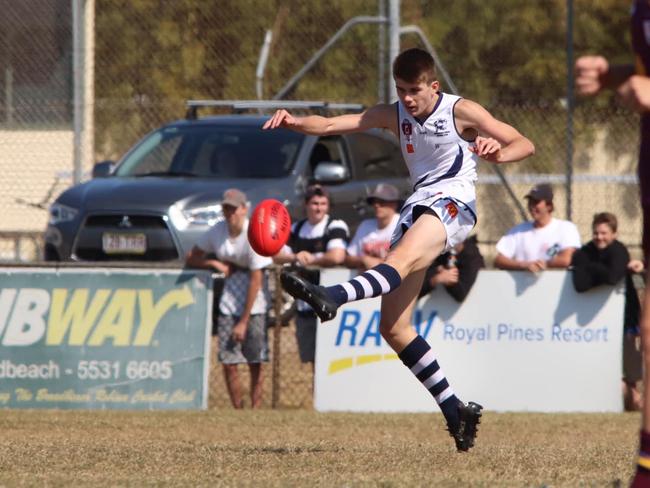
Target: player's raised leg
{"type": "Point", "coordinates": [419, 246]}
{"type": "Point", "coordinates": [408, 260]}
{"type": "Point", "coordinates": [416, 250]}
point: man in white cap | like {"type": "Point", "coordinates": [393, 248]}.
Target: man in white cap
{"type": "Point", "coordinates": [371, 241]}
{"type": "Point", "coordinates": [541, 243]}
{"type": "Point", "coordinates": [241, 324]}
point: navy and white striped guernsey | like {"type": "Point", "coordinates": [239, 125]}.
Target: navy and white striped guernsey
{"type": "Point", "coordinates": [317, 244]}
{"type": "Point", "coordinates": [433, 149]}
{"type": "Point", "coordinates": [316, 239]}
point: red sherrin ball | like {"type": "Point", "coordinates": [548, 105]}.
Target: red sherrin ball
{"type": "Point", "coordinates": [269, 227]}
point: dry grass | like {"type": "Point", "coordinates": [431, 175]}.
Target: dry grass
{"type": "Point", "coordinates": [304, 448]}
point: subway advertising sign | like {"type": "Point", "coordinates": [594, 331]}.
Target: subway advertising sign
{"type": "Point", "coordinates": [104, 338]}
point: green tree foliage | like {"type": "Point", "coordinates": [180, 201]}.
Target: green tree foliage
{"type": "Point", "coordinates": [511, 56]}
{"type": "Point", "coordinates": [152, 55]}
{"type": "Point", "coordinates": [514, 51]}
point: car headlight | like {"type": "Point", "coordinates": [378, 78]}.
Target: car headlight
{"type": "Point", "coordinates": [199, 216]}
{"type": "Point", "coordinates": [61, 213]}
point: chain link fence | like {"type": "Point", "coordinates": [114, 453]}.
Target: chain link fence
{"type": "Point", "coordinates": [288, 383]}
{"type": "Point", "coordinates": [35, 118]}
{"type": "Point", "coordinates": [148, 57]}
{"type": "Point", "coordinates": [293, 384]}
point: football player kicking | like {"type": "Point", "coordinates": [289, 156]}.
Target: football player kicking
{"type": "Point", "coordinates": [440, 136]}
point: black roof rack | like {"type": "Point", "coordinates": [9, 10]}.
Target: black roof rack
{"type": "Point", "coordinates": [239, 106]}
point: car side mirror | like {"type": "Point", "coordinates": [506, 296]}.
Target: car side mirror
{"type": "Point", "coordinates": [103, 169]}
{"type": "Point", "coordinates": [331, 172]}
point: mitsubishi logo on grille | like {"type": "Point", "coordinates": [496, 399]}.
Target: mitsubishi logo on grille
{"type": "Point", "coordinates": [125, 223]}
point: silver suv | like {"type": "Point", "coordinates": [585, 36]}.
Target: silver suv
{"type": "Point", "coordinates": [153, 204]}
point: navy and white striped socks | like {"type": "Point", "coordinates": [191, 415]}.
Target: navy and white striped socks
{"type": "Point", "coordinates": [380, 280]}
{"type": "Point", "coordinates": [417, 355]}
{"type": "Point", "coordinates": [419, 358]}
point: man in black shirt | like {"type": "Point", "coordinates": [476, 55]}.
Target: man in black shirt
{"type": "Point", "coordinates": [455, 269]}
{"type": "Point", "coordinates": [317, 241]}
{"type": "Point", "coordinates": [604, 260]}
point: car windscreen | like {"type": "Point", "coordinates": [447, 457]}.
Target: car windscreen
{"type": "Point", "coordinates": [213, 151]}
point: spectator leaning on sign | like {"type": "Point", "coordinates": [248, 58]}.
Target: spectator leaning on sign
{"type": "Point", "coordinates": [606, 261]}
{"type": "Point", "coordinates": [371, 241]}
{"type": "Point", "coordinates": [455, 269]}
{"type": "Point", "coordinates": [317, 241]}
{"type": "Point", "coordinates": [602, 261]}
{"type": "Point", "coordinates": [545, 242]}
{"type": "Point", "coordinates": [243, 307]}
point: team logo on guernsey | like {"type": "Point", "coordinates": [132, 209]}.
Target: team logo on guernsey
{"type": "Point", "coordinates": [452, 209]}
{"type": "Point", "coordinates": [440, 126]}
{"type": "Point", "coordinates": [407, 130]}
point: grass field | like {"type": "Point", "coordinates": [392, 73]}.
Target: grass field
{"type": "Point", "coordinates": [268, 448]}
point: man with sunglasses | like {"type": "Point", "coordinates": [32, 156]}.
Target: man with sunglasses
{"type": "Point", "coordinates": [371, 241]}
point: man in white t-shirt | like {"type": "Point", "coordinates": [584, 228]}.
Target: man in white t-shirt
{"type": "Point", "coordinates": [545, 242]}
{"type": "Point", "coordinates": [241, 324]}
{"type": "Point", "coordinates": [371, 241]}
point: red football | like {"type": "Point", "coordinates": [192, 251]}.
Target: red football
{"type": "Point", "coordinates": [269, 227]}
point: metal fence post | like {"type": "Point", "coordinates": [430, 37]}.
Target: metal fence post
{"type": "Point", "coordinates": [570, 108]}
{"type": "Point", "coordinates": [78, 67]}
{"type": "Point", "coordinates": [277, 331]}
{"type": "Point", "coordinates": [393, 40]}
{"type": "Point", "coordinates": [381, 55]}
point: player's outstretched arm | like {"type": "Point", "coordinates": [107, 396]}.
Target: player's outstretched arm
{"type": "Point", "coordinates": [497, 141]}
{"type": "Point", "coordinates": [635, 93]}
{"type": "Point", "coordinates": [380, 116]}
{"type": "Point", "coordinates": [594, 74]}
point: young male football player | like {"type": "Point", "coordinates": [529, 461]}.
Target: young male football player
{"type": "Point", "coordinates": [440, 135]}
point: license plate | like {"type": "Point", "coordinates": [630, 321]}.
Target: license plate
{"type": "Point", "coordinates": [113, 243]}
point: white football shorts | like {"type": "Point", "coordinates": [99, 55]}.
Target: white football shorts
{"type": "Point", "coordinates": [453, 201]}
